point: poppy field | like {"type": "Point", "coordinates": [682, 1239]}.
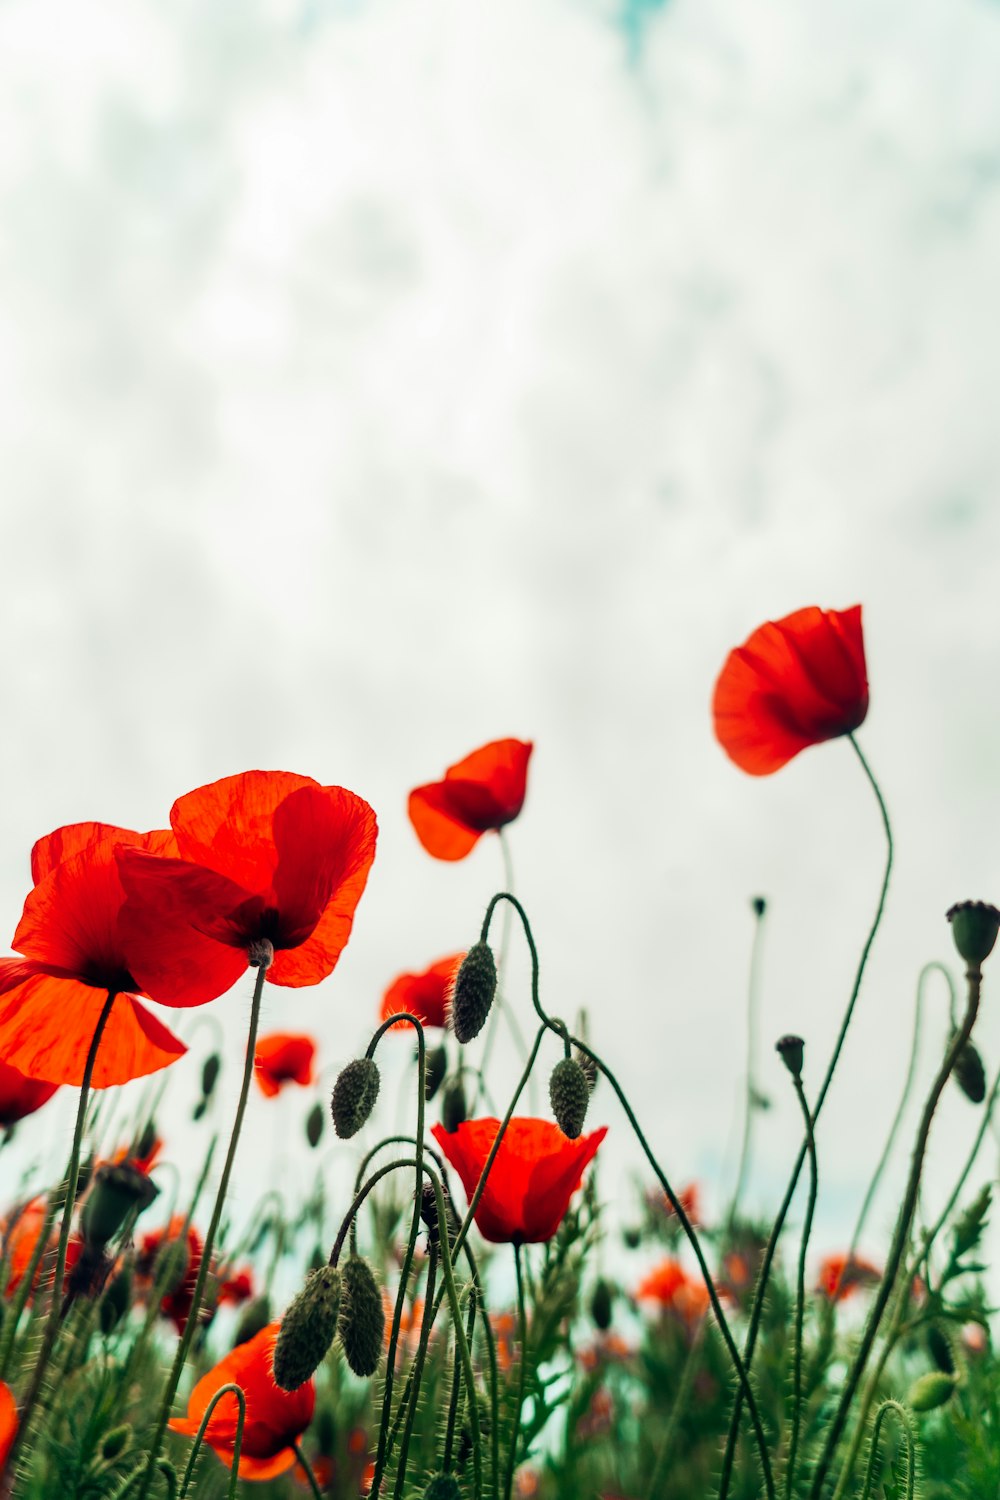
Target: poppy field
{"type": "Point", "coordinates": [466, 1325]}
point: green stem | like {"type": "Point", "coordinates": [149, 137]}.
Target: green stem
{"type": "Point", "coordinates": [241, 1415]}
{"type": "Point", "coordinates": [191, 1324]}
{"type": "Point", "coordinates": [52, 1321]}
{"type": "Point", "coordinates": [522, 1374]}
{"type": "Point", "coordinates": [800, 1293]}
{"type": "Point", "coordinates": [906, 1422]}
{"type": "Point", "coordinates": [654, 1488]}
{"type": "Point", "coordinates": [307, 1469]}
{"type": "Point", "coordinates": [417, 1370]}
{"type": "Point", "coordinates": [751, 1088]}
{"type": "Point", "coordinates": [25, 1285]}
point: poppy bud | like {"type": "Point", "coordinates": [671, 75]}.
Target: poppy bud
{"type": "Point", "coordinates": [971, 1222]}
{"type": "Point", "coordinates": [198, 1113]}
{"type": "Point", "coordinates": [147, 1140]}
{"type": "Point", "coordinates": [472, 996]}
{"type": "Point", "coordinates": [115, 1443]}
{"type": "Point", "coordinates": [255, 1316]}
{"type": "Point", "coordinates": [314, 1125]}
{"type": "Point", "coordinates": [974, 927]}
{"type": "Point", "coordinates": [453, 1106]}
{"type": "Point", "coordinates": [435, 1067]}
{"type": "Point", "coordinates": [307, 1329]}
{"type": "Point", "coordinates": [210, 1074]}
{"type": "Point", "coordinates": [632, 1238]}
{"type": "Point", "coordinates": [600, 1305]}
{"type": "Point", "coordinates": [115, 1302]}
{"type": "Point", "coordinates": [940, 1349]}
{"type": "Point", "coordinates": [443, 1487]}
{"type": "Point", "coordinates": [791, 1049]}
{"type": "Point", "coordinates": [362, 1317]}
{"type": "Point", "coordinates": [758, 905]}
{"type": "Point", "coordinates": [969, 1074]}
{"type": "Point", "coordinates": [569, 1096]}
{"type": "Point", "coordinates": [354, 1096]}
{"type": "Point", "coordinates": [588, 1067]}
{"type": "Point", "coordinates": [115, 1192]}
{"type": "Point", "coordinates": [931, 1390]}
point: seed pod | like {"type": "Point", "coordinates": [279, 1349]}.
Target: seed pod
{"type": "Point", "coordinates": [940, 1349]}
{"type": "Point", "coordinates": [114, 1193]}
{"type": "Point", "coordinates": [453, 1106]}
{"type": "Point", "coordinates": [354, 1096]}
{"type": "Point", "coordinates": [600, 1305]}
{"type": "Point", "coordinates": [472, 996]}
{"type": "Point", "coordinates": [362, 1316]}
{"type": "Point", "coordinates": [974, 927]}
{"type": "Point", "coordinates": [307, 1329]}
{"type": "Point", "coordinates": [931, 1390]}
{"type": "Point", "coordinates": [443, 1487]}
{"type": "Point", "coordinates": [791, 1050]}
{"type": "Point", "coordinates": [969, 1074]}
{"type": "Point", "coordinates": [314, 1125]}
{"type": "Point", "coordinates": [435, 1067]}
{"type": "Point", "coordinates": [255, 1316]}
{"type": "Point", "coordinates": [210, 1074]}
{"type": "Point", "coordinates": [569, 1096]}
{"type": "Point", "coordinates": [115, 1443]}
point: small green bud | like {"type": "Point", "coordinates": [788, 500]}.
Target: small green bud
{"type": "Point", "coordinates": [453, 1105]}
{"type": "Point", "coordinates": [969, 1225]}
{"type": "Point", "coordinates": [362, 1317]}
{"type": "Point", "coordinates": [114, 1193]}
{"type": "Point", "coordinates": [600, 1305]}
{"type": "Point", "coordinates": [791, 1050]}
{"type": "Point", "coordinates": [115, 1443]}
{"type": "Point", "coordinates": [443, 1487]}
{"type": "Point", "coordinates": [969, 1074]}
{"type": "Point", "coordinates": [435, 1067]}
{"type": "Point", "coordinates": [307, 1329]}
{"type": "Point", "coordinates": [569, 1096]}
{"type": "Point", "coordinates": [473, 993]}
{"type": "Point", "coordinates": [931, 1390]}
{"type": "Point", "coordinates": [314, 1125]}
{"type": "Point", "coordinates": [974, 927]}
{"type": "Point", "coordinates": [199, 1111]}
{"type": "Point", "coordinates": [210, 1069]}
{"type": "Point", "coordinates": [354, 1096]}
{"type": "Point", "coordinates": [632, 1237]}
{"type": "Point", "coordinates": [940, 1349]}
{"type": "Point", "coordinates": [147, 1140]}
{"type": "Point", "coordinates": [758, 905]}
{"type": "Point", "coordinates": [255, 1316]}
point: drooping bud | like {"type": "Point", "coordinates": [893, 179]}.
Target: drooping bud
{"type": "Point", "coordinates": [974, 927]}
{"type": "Point", "coordinates": [146, 1141]}
{"type": "Point", "coordinates": [314, 1125]}
{"type": "Point", "coordinates": [931, 1390]}
{"type": "Point", "coordinates": [600, 1305]}
{"type": "Point", "coordinates": [115, 1442]}
{"type": "Point", "coordinates": [453, 1106]}
{"type": "Point", "coordinates": [472, 996]}
{"type": "Point", "coordinates": [210, 1069]}
{"type": "Point", "coordinates": [443, 1487]}
{"type": "Point", "coordinates": [362, 1316]}
{"type": "Point", "coordinates": [969, 1226]}
{"type": "Point", "coordinates": [569, 1096]}
{"type": "Point", "coordinates": [354, 1096]}
{"type": "Point", "coordinates": [255, 1316]}
{"type": "Point", "coordinates": [435, 1067]}
{"type": "Point", "coordinates": [940, 1349]}
{"type": "Point", "coordinates": [114, 1304]}
{"type": "Point", "coordinates": [114, 1193]}
{"type": "Point", "coordinates": [791, 1050]}
{"type": "Point", "coordinates": [969, 1074]}
{"type": "Point", "coordinates": [307, 1329]}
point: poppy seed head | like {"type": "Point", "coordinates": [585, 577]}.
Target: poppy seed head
{"type": "Point", "coordinates": [260, 953]}
{"type": "Point", "coordinates": [354, 1096]}
{"type": "Point", "coordinates": [569, 1095]}
{"type": "Point", "coordinates": [969, 1074]}
{"type": "Point", "coordinates": [362, 1317]}
{"type": "Point", "coordinates": [475, 988]}
{"type": "Point", "coordinates": [307, 1329]}
{"type": "Point", "coordinates": [791, 1049]}
{"type": "Point", "coordinates": [974, 927]}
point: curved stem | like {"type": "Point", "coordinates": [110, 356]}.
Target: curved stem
{"type": "Point", "coordinates": [307, 1470]}
{"type": "Point", "coordinates": [800, 1292]}
{"type": "Point", "coordinates": [751, 1088]}
{"type": "Point", "coordinates": [418, 1366]}
{"type": "Point", "coordinates": [241, 1402]}
{"type": "Point", "coordinates": [906, 1422]}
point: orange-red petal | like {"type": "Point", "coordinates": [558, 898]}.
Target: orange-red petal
{"type": "Point", "coordinates": [8, 1421]}
{"type": "Point", "coordinates": [484, 791]}
{"type": "Point", "coordinates": [47, 1023]}
{"type": "Point", "coordinates": [425, 995]}
{"type": "Point", "coordinates": [21, 1096]}
{"type": "Point", "coordinates": [281, 1058]}
{"type": "Point", "coordinates": [229, 824]}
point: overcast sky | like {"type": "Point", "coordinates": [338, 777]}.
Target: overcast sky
{"type": "Point", "coordinates": [378, 379]}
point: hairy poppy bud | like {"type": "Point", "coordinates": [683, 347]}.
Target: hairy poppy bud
{"type": "Point", "coordinates": [147, 1140]}
{"type": "Point", "coordinates": [600, 1305]}
{"type": "Point", "coordinates": [210, 1074]}
{"type": "Point", "coordinates": [115, 1443]}
{"type": "Point", "coordinates": [969, 1074]}
{"type": "Point", "coordinates": [472, 996]}
{"type": "Point", "coordinates": [307, 1329]}
{"type": "Point", "coordinates": [974, 927]}
{"type": "Point", "coordinates": [435, 1067]}
{"type": "Point", "coordinates": [115, 1302]}
{"type": "Point", "coordinates": [362, 1316]}
{"type": "Point", "coordinates": [429, 1211]}
{"type": "Point", "coordinates": [791, 1050]}
{"type": "Point", "coordinates": [443, 1487]}
{"type": "Point", "coordinates": [255, 1316]}
{"type": "Point", "coordinates": [940, 1349]}
{"type": "Point", "coordinates": [354, 1096]}
{"type": "Point", "coordinates": [314, 1125]}
{"type": "Point", "coordinates": [931, 1390]}
{"type": "Point", "coordinates": [453, 1106]}
{"type": "Point", "coordinates": [569, 1096]}
{"type": "Point", "coordinates": [114, 1193]}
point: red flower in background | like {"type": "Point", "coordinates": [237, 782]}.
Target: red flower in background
{"type": "Point", "coordinates": [425, 995]}
{"type": "Point", "coordinates": [275, 1419]}
{"type": "Point", "coordinates": [179, 1295]}
{"type": "Point", "coordinates": [71, 937]}
{"type": "Point", "coordinates": [20, 1096]}
{"type": "Point", "coordinates": [236, 1288]}
{"type": "Point", "coordinates": [19, 1237]}
{"type": "Point", "coordinates": [8, 1421]}
{"type": "Point", "coordinates": [534, 1174]}
{"type": "Point", "coordinates": [840, 1277]}
{"type": "Point", "coordinates": [283, 1058]}
{"type": "Point", "coordinates": [265, 856]}
{"type": "Point", "coordinates": [670, 1285]}
{"type": "Point", "coordinates": [482, 792]}
{"type": "Point", "coordinates": [794, 683]}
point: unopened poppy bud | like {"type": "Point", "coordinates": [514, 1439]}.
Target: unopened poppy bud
{"type": "Point", "coordinates": [569, 1096]}
{"type": "Point", "coordinates": [362, 1317]}
{"type": "Point", "coordinates": [260, 953]}
{"type": "Point", "coordinates": [472, 996]}
{"type": "Point", "coordinates": [114, 1193]}
{"type": "Point", "coordinates": [198, 1113]}
{"type": "Point", "coordinates": [588, 1067]}
{"type": "Point", "coordinates": [210, 1069]}
{"type": "Point", "coordinates": [931, 1390]}
{"type": "Point", "coordinates": [443, 1487]}
{"type": "Point", "coordinates": [600, 1305]}
{"type": "Point", "coordinates": [435, 1067]}
{"type": "Point", "coordinates": [940, 1349]}
{"type": "Point", "coordinates": [147, 1140]}
{"type": "Point", "coordinates": [974, 927]}
{"type": "Point", "coordinates": [314, 1125]}
{"type": "Point", "coordinates": [354, 1096]}
{"type": "Point", "coordinates": [759, 906]}
{"type": "Point", "coordinates": [632, 1237]}
{"type": "Point", "coordinates": [453, 1106]}
{"type": "Point", "coordinates": [791, 1050]}
{"type": "Point", "coordinates": [969, 1073]}
{"type": "Point", "coordinates": [115, 1443]}
{"type": "Point", "coordinates": [255, 1316]}
{"type": "Point", "coordinates": [307, 1329]}
{"type": "Point", "coordinates": [116, 1299]}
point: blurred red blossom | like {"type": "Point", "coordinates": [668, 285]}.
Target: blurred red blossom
{"type": "Point", "coordinates": [840, 1277]}
{"type": "Point", "coordinates": [482, 792]}
{"type": "Point", "coordinates": [20, 1096]}
{"type": "Point", "coordinates": [283, 1057]}
{"type": "Point", "coordinates": [425, 995]}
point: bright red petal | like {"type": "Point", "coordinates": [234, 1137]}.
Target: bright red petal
{"type": "Point", "coordinates": [325, 838]}
{"type": "Point", "coordinates": [229, 825]}
{"type": "Point", "coordinates": [8, 1421]}
{"type": "Point", "coordinates": [442, 834]}
{"type": "Point", "coordinates": [47, 1025]}
{"type": "Point", "coordinates": [283, 1058]}
{"type": "Point", "coordinates": [484, 791]}
{"type": "Point", "coordinates": [21, 1096]}
{"type": "Point", "coordinates": [424, 995]}
{"type": "Point", "coordinates": [502, 768]}
{"type": "Point", "coordinates": [274, 1418]}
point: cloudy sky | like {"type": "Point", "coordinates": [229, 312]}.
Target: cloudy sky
{"type": "Point", "coordinates": [378, 379]}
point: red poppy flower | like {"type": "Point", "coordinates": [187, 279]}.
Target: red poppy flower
{"type": "Point", "coordinates": [264, 856]}
{"type": "Point", "coordinates": [534, 1174]}
{"type": "Point", "coordinates": [237, 1288]}
{"type": "Point", "coordinates": [483, 791]}
{"type": "Point", "coordinates": [425, 995]}
{"type": "Point", "coordinates": [671, 1286]}
{"type": "Point", "coordinates": [793, 683]}
{"type": "Point", "coordinates": [283, 1058]}
{"type": "Point", "coordinates": [19, 1236]}
{"type": "Point", "coordinates": [275, 1419]}
{"type": "Point", "coordinates": [20, 1096]}
{"type": "Point", "coordinates": [71, 938]}
{"type": "Point", "coordinates": [839, 1278]}
{"type": "Point", "coordinates": [176, 1301]}
{"type": "Point", "coordinates": [8, 1421]}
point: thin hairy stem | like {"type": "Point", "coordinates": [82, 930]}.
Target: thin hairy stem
{"type": "Point", "coordinates": [752, 1092]}
{"type": "Point", "coordinates": [909, 1437]}
{"type": "Point", "coordinates": [800, 1291]}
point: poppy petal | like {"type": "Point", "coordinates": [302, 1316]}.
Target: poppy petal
{"type": "Point", "coordinates": [425, 995]}
{"type": "Point", "coordinates": [8, 1421]}
{"type": "Point", "coordinates": [21, 1096]}
{"type": "Point", "coordinates": [325, 840]}
{"type": "Point", "coordinates": [283, 1058]}
{"type": "Point", "coordinates": [484, 791]}
{"type": "Point", "coordinates": [47, 1024]}
{"type": "Point", "coordinates": [442, 834]}
{"type": "Point", "coordinates": [228, 825]}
